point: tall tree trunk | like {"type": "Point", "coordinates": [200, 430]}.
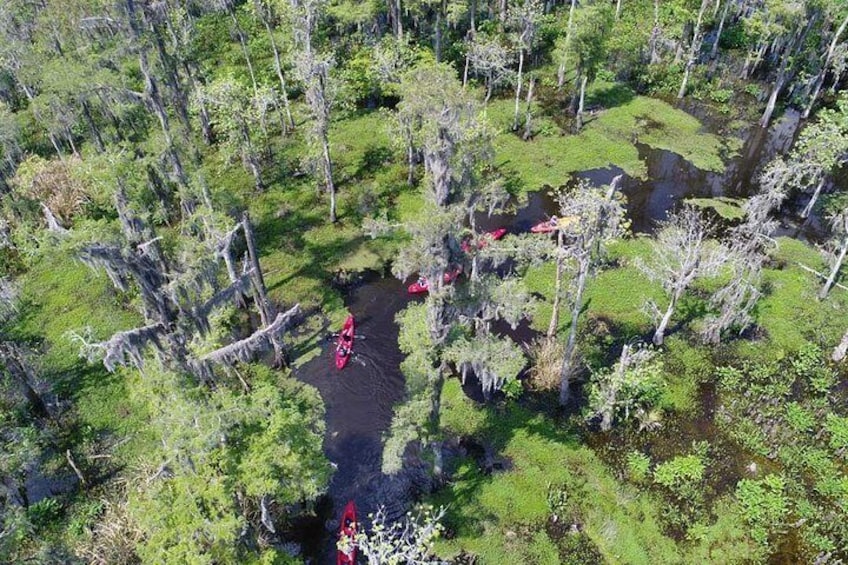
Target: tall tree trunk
{"type": "Point", "coordinates": [435, 416]}
{"type": "Point", "coordinates": [714, 50]}
{"type": "Point", "coordinates": [278, 68]}
{"type": "Point", "coordinates": [554, 323]}
{"type": "Point", "coordinates": [617, 9]}
{"type": "Point", "coordinates": [568, 29]}
{"type": "Point", "coordinates": [266, 311]}
{"type": "Point", "coordinates": [437, 39]}
{"type": "Point", "coordinates": [784, 71]}
{"type": "Point", "coordinates": [693, 49]}
{"type": "Point", "coordinates": [655, 35]}
{"type": "Point", "coordinates": [569, 357]}
{"type": "Point", "coordinates": [92, 126]}
{"type": "Point", "coordinates": [823, 72]}
{"type": "Point", "coordinates": [805, 213]}
{"type": "Point", "coordinates": [21, 373]}
{"type": "Point", "coordinates": [841, 350]}
{"type": "Point", "coordinates": [834, 272]}
{"type": "Point", "coordinates": [583, 81]}
{"type": "Point", "coordinates": [528, 127]}
{"type": "Point", "coordinates": [328, 173]}
{"type": "Point", "coordinates": [519, 79]}
{"type": "Point", "coordinates": [659, 334]}
{"type": "Point", "coordinates": [243, 43]}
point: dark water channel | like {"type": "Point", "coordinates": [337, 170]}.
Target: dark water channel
{"type": "Point", "coordinates": [359, 400]}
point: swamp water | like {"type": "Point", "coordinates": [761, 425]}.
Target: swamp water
{"type": "Point", "coordinates": [359, 400]}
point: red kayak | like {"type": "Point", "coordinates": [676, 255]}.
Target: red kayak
{"type": "Point", "coordinates": [422, 285]}
{"type": "Point", "coordinates": [553, 224]}
{"type": "Point", "coordinates": [347, 530]}
{"type": "Point", "coordinates": [547, 226]}
{"type": "Point", "coordinates": [493, 235]}
{"type": "Point", "coordinates": [344, 345]}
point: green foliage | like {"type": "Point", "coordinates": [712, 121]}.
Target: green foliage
{"type": "Point", "coordinates": [764, 505]}
{"type": "Point", "coordinates": [638, 466]}
{"type": "Point", "coordinates": [44, 512]}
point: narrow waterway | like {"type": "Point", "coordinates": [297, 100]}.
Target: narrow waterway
{"type": "Point", "coordinates": [359, 400]}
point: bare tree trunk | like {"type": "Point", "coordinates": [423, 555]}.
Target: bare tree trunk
{"type": "Point", "coordinates": [659, 334]}
{"type": "Point", "coordinates": [841, 350]}
{"type": "Point", "coordinates": [583, 82]}
{"type": "Point", "coordinates": [783, 72]}
{"type": "Point", "coordinates": [437, 39]}
{"type": "Point", "coordinates": [265, 309]}
{"type": "Point", "coordinates": [714, 50]}
{"type": "Point", "coordinates": [828, 58]}
{"type": "Point", "coordinates": [465, 71]}
{"type": "Point", "coordinates": [569, 358]}
{"type": "Point", "coordinates": [278, 67]}
{"type": "Point", "coordinates": [528, 129]}
{"type": "Point", "coordinates": [618, 9]}
{"type": "Point", "coordinates": [328, 174]}
{"type": "Point", "coordinates": [518, 88]}
{"type": "Point", "coordinates": [76, 469]}
{"type": "Point", "coordinates": [563, 64]}
{"type": "Point", "coordinates": [554, 323]}
{"type": "Point", "coordinates": [435, 414]}
{"type": "Point", "coordinates": [805, 213]}
{"type": "Point", "coordinates": [655, 34]}
{"type": "Point", "coordinates": [243, 43]}
{"type": "Point", "coordinates": [834, 272]}
{"type": "Point", "coordinates": [92, 126]}
{"type": "Point", "coordinates": [693, 49]}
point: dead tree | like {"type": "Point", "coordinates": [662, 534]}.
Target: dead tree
{"type": "Point", "coordinates": [590, 218]}
{"type": "Point", "coordinates": [313, 70]}
{"type": "Point", "coordinates": [837, 250]}
{"type": "Point", "coordinates": [746, 250]}
{"type": "Point", "coordinates": [679, 254]}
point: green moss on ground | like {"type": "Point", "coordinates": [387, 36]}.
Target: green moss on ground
{"type": "Point", "coordinates": [608, 139]}
{"type": "Point", "coordinates": [505, 516]}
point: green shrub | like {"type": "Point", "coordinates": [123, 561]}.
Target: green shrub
{"type": "Point", "coordinates": [638, 466]}
{"type": "Point", "coordinates": [764, 505]}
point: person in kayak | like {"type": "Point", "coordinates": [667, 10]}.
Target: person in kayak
{"type": "Point", "coordinates": [553, 221]}
{"type": "Point", "coordinates": [422, 282]}
{"type": "Point", "coordinates": [344, 351]}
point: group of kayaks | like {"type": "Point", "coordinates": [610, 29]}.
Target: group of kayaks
{"type": "Point", "coordinates": [344, 342]}
{"type": "Point", "coordinates": [551, 225]}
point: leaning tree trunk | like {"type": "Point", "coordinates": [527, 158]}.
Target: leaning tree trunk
{"type": "Point", "coordinates": [265, 309]}
{"type": "Point", "coordinates": [805, 213]}
{"type": "Point", "coordinates": [569, 356]}
{"type": "Point", "coordinates": [714, 50]}
{"type": "Point", "coordinates": [834, 272]}
{"type": "Point", "coordinates": [783, 72]}
{"type": "Point", "coordinates": [693, 50]}
{"type": "Point", "coordinates": [659, 334]}
{"type": "Point", "coordinates": [278, 67]}
{"type": "Point", "coordinates": [827, 60]}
